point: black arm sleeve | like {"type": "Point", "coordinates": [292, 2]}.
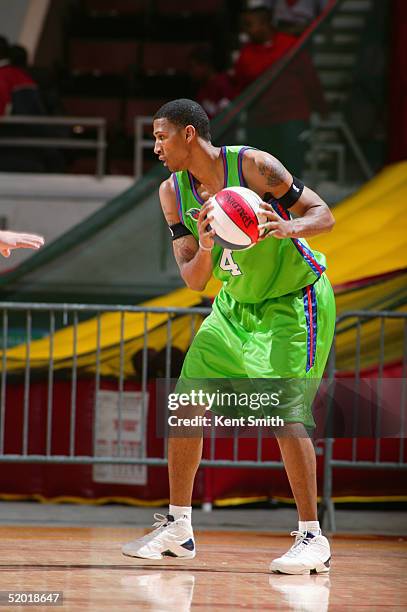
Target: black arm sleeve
{"type": "Point", "coordinates": [292, 195]}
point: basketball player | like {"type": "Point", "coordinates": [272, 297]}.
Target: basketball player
{"type": "Point", "coordinates": [274, 316]}
{"type": "Point", "coordinates": [16, 240]}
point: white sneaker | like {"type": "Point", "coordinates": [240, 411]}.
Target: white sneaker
{"type": "Point", "coordinates": [308, 555]}
{"type": "Point", "coordinates": [169, 539]}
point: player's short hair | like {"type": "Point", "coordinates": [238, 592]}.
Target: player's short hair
{"type": "Point", "coordinates": [185, 112]}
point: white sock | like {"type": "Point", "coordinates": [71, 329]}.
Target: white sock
{"type": "Point", "coordinates": [180, 512]}
{"type": "Point", "coordinates": [310, 526]}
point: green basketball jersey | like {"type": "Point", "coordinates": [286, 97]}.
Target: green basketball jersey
{"type": "Point", "coordinates": [269, 269]}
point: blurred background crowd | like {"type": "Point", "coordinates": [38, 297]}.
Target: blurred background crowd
{"type": "Point", "coordinates": [121, 59]}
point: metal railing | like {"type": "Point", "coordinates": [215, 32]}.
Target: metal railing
{"type": "Point", "coordinates": [335, 123]}
{"type": "Point", "coordinates": [98, 143]}
{"type": "Point", "coordinates": [73, 311]}
{"type": "Point", "coordinates": [80, 357]}
{"type": "Point", "coordinates": [355, 320]}
{"type": "Point", "coordinates": [141, 143]}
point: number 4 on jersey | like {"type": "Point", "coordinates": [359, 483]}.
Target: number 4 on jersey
{"type": "Point", "coordinates": [227, 263]}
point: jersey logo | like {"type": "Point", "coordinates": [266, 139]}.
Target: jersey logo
{"type": "Point", "coordinates": [193, 213]}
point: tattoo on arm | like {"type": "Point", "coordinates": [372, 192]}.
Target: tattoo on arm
{"type": "Point", "coordinates": [184, 251]}
{"type": "Point", "coordinates": [273, 171]}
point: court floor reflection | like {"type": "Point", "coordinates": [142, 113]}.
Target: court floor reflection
{"type": "Point", "coordinates": [303, 593]}
{"type": "Point", "coordinates": [172, 591]}
{"type": "Point", "coordinates": [231, 571]}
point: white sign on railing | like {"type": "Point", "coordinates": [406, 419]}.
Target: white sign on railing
{"type": "Point", "coordinates": [131, 439]}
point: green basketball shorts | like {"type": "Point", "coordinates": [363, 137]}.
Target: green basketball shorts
{"type": "Point", "coordinates": [288, 337]}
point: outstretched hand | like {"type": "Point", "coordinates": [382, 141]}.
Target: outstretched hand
{"type": "Point", "coordinates": [274, 226]}
{"type": "Point", "coordinates": [16, 240]}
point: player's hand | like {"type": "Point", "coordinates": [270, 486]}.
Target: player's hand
{"type": "Point", "coordinates": [15, 240]}
{"type": "Point", "coordinates": [274, 226]}
{"type": "Point", "coordinates": [205, 218]}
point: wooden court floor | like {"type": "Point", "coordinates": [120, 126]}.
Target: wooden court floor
{"type": "Point", "coordinates": [229, 573]}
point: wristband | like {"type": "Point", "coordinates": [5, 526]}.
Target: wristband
{"type": "Point", "coordinates": [178, 230]}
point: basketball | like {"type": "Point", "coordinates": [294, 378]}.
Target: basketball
{"type": "Point", "coordinates": [236, 218]}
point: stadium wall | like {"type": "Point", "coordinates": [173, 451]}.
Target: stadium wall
{"type": "Point", "coordinates": [51, 204]}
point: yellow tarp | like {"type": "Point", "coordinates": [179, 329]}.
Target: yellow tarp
{"type": "Point", "coordinates": [369, 239]}
{"type": "Point", "coordinates": [110, 331]}
{"type": "Point", "coordinates": [370, 234]}
{"type": "Point", "coordinates": [388, 294]}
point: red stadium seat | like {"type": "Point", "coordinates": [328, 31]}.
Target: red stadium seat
{"type": "Point", "coordinates": [163, 57]}
{"type": "Point", "coordinates": [188, 6]}
{"type": "Point", "coordinates": [115, 6]}
{"type": "Point", "coordinates": [137, 107]}
{"type": "Point", "coordinates": [106, 57]}
{"type": "Point", "coordinates": [108, 108]}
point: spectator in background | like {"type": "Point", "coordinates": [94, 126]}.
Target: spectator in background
{"type": "Point", "coordinates": [214, 90]}
{"type": "Point", "coordinates": [20, 95]}
{"type": "Point", "coordinates": [265, 47]}
{"type": "Point", "coordinates": [278, 119]}
{"type": "Point", "coordinates": [44, 79]}
{"type": "Point", "coordinates": [294, 16]}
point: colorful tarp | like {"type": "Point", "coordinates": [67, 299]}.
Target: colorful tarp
{"type": "Point", "coordinates": [370, 235]}
{"type": "Point", "coordinates": [367, 258]}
